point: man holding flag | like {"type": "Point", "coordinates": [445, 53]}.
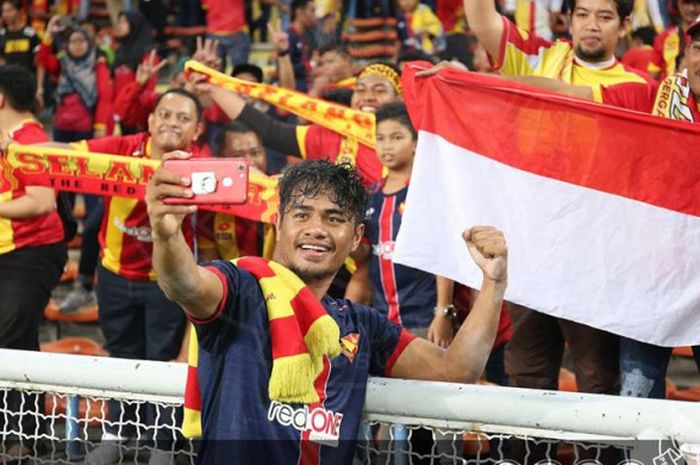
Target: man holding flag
{"type": "Point", "coordinates": [533, 357]}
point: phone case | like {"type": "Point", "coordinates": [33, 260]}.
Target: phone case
{"type": "Point", "coordinates": [214, 180]}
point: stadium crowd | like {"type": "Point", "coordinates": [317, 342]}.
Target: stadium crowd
{"type": "Point", "coordinates": [109, 78]}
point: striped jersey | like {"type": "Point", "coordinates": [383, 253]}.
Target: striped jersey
{"type": "Point", "coordinates": [125, 234]}
{"type": "Point", "coordinates": [240, 424]}
{"type": "Point", "coordinates": [27, 232]}
{"type": "Point", "coordinates": [406, 295]}
{"type": "Point", "coordinates": [234, 237]}
{"type": "Point", "coordinates": [524, 54]}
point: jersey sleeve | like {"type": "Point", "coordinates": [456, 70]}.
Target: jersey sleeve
{"type": "Point", "coordinates": [241, 303]}
{"type": "Point", "coordinates": [630, 95]}
{"type": "Point", "coordinates": [519, 53]}
{"type": "Point", "coordinates": [387, 341]}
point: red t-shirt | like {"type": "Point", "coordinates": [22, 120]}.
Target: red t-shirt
{"type": "Point", "coordinates": [224, 17]}
{"type": "Point", "coordinates": [317, 142]}
{"type": "Point", "coordinates": [28, 232]}
{"type": "Point", "coordinates": [638, 58]}
{"type": "Point", "coordinates": [125, 234]}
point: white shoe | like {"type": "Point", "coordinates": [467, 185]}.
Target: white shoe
{"type": "Point", "coordinates": [76, 299]}
{"type": "Point", "coordinates": [106, 452]}
{"type": "Point", "coordinates": [161, 457]}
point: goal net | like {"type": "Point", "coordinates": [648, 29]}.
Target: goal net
{"type": "Point", "coordinates": [54, 409]}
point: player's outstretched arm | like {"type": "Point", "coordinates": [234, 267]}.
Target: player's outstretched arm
{"type": "Point", "coordinates": [195, 288]}
{"type": "Point", "coordinates": [464, 360]}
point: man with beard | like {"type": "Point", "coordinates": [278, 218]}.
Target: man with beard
{"type": "Point", "coordinates": [533, 358]}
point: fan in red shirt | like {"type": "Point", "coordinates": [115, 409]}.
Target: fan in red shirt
{"type": "Point", "coordinates": [378, 83]}
{"type": "Point", "coordinates": [32, 251]}
{"type": "Point", "coordinates": [136, 318]}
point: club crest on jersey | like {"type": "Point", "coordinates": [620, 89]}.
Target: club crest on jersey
{"type": "Point", "coordinates": [323, 425]}
{"type": "Point", "coordinates": [384, 250]}
{"type": "Point", "coordinates": [349, 345]}
{"type": "Point", "coordinates": [402, 207]}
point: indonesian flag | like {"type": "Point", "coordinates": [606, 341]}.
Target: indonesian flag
{"type": "Point", "coordinates": [600, 206]}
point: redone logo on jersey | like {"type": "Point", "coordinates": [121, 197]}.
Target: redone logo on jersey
{"type": "Point", "coordinates": [323, 425]}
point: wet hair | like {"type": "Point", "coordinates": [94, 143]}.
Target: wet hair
{"type": "Point", "coordinates": [296, 4]}
{"type": "Point", "coordinates": [396, 111]}
{"type": "Point", "coordinates": [311, 178]}
{"type": "Point", "coordinates": [184, 93]}
{"type": "Point", "coordinates": [236, 127]}
{"type": "Point", "coordinates": [646, 34]}
{"type": "Point", "coordinates": [624, 8]}
{"type": "Point", "coordinates": [18, 85]}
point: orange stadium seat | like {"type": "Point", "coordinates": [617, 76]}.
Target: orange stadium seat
{"type": "Point", "coordinates": [87, 315]}
{"type": "Point", "coordinates": [70, 272]}
{"type": "Point", "coordinates": [76, 242]}
{"type": "Point", "coordinates": [567, 381]}
{"type": "Point", "coordinates": [685, 352]}
{"type": "Point", "coordinates": [79, 210]}
{"type": "Point", "coordinates": [55, 404]}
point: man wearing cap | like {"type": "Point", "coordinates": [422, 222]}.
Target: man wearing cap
{"type": "Point", "coordinates": [669, 45]}
{"type": "Point", "coordinates": [378, 83]}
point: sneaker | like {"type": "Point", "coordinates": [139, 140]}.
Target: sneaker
{"type": "Point", "coordinates": [161, 457]}
{"type": "Point", "coordinates": [76, 299]}
{"type": "Point", "coordinates": [106, 452]}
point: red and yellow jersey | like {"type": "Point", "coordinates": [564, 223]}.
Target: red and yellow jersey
{"type": "Point", "coordinates": [317, 142]}
{"type": "Point", "coordinates": [667, 46]}
{"type": "Point", "coordinates": [28, 232]}
{"type": "Point", "coordinates": [451, 15]}
{"type": "Point", "coordinates": [233, 237]}
{"type": "Point", "coordinates": [125, 234]}
{"type": "Point", "coordinates": [523, 54]}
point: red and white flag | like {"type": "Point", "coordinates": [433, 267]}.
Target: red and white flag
{"type": "Point", "coordinates": [600, 206]}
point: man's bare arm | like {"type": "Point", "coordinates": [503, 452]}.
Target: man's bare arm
{"type": "Point", "coordinates": [486, 22]}
{"type": "Point", "coordinates": [196, 289]}
{"type": "Point", "coordinates": [464, 360]}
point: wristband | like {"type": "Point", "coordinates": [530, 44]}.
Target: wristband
{"type": "Point", "coordinates": [446, 311]}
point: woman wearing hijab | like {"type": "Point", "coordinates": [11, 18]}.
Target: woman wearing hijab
{"type": "Point", "coordinates": [84, 91]}
{"type": "Point", "coordinates": [135, 38]}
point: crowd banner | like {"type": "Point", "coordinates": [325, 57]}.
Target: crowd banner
{"type": "Point", "coordinates": [355, 124]}
{"type": "Point", "coordinates": [600, 206]}
{"type": "Point", "coordinates": [123, 176]}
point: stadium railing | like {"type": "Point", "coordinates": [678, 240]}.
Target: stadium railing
{"type": "Point", "coordinates": [67, 396]}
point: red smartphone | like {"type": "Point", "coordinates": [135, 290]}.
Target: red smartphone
{"type": "Point", "coordinates": [214, 180]}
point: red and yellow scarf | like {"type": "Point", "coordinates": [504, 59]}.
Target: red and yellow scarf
{"type": "Point", "coordinates": [301, 333]}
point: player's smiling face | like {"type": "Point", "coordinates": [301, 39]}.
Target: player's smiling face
{"type": "Point", "coordinates": [315, 236]}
